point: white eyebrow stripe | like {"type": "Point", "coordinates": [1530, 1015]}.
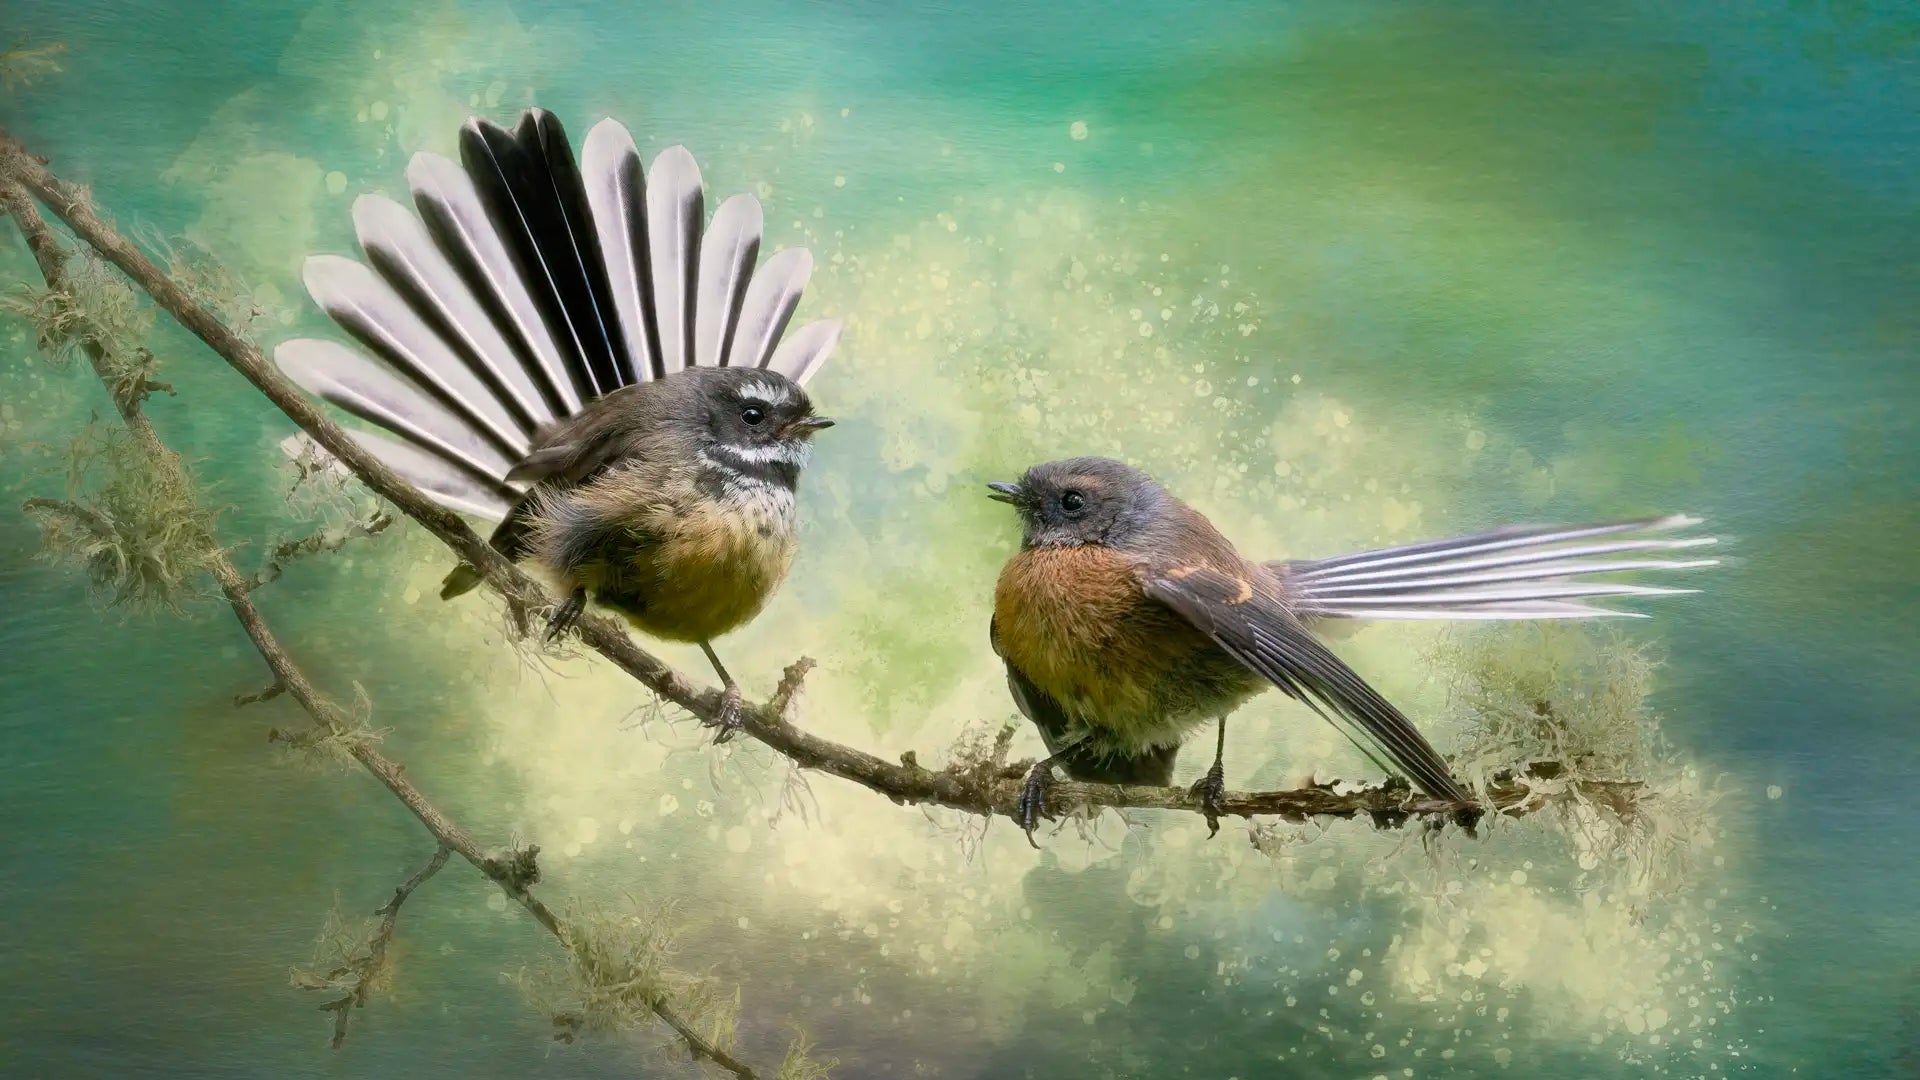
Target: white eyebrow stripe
{"type": "Point", "coordinates": [766, 393]}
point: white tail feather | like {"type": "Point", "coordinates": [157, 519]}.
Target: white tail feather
{"type": "Point", "coordinates": [1520, 572]}
{"type": "Point", "coordinates": [371, 392]}
{"type": "Point", "coordinates": [673, 236]}
{"type": "Point", "coordinates": [617, 192]}
{"type": "Point", "coordinates": [805, 350]}
{"type": "Point", "coordinates": [726, 264]}
{"type": "Point", "coordinates": [771, 298]}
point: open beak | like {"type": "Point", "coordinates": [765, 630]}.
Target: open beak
{"type": "Point", "coordinates": [1006, 493]}
{"type": "Point", "coordinates": [806, 426]}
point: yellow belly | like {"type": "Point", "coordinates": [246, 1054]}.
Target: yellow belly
{"type": "Point", "coordinates": [709, 571]}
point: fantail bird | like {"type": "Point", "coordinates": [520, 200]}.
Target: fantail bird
{"type": "Point", "coordinates": [561, 347]}
{"type": "Point", "coordinates": [1127, 620]}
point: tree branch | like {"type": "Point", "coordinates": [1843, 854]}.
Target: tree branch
{"type": "Point", "coordinates": [960, 786]}
{"type": "Point", "coordinates": [514, 873]}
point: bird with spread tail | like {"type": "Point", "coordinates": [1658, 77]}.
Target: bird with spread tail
{"type": "Point", "coordinates": [569, 348]}
{"type": "Point", "coordinates": [1126, 621]}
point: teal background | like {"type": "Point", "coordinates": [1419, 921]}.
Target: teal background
{"type": "Point", "coordinates": [1528, 261]}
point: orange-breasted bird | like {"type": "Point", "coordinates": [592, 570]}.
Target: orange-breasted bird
{"type": "Point", "coordinates": [571, 349]}
{"type": "Point", "coordinates": [1127, 621]}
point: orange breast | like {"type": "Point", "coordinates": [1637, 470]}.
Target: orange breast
{"type": "Point", "coordinates": [1076, 622]}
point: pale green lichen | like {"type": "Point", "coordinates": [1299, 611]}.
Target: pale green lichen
{"type": "Point", "coordinates": [800, 1064]}
{"type": "Point", "coordinates": [619, 973]}
{"type": "Point", "coordinates": [94, 307]}
{"type": "Point", "coordinates": [1578, 697]}
{"type": "Point", "coordinates": [345, 961]}
{"type": "Point", "coordinates": [131, 522]}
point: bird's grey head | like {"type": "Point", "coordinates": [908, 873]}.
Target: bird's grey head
{"type": "Point", "coordinates": [759, 425]}
{"type": "Point", "coordinates": [1080, 501]}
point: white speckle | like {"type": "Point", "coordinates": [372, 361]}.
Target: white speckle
{"type": "Point", "coordinates": [1296, 379]}
{"type": "Point", "coordinates": [1146, 329]}
{"type": "Point", "coordinates": [1078, 131]}
{"type": "Point", "coordinates": [1774, 791]}
{"type": "Point", "coordinates": [839, 181]}
{"type": "Point", "coordinates": [668, 804]}
{"type": "Point", "coordinates": [1519, 877]}
{"type": "Point", "coordinates": [1059, 166]}
{"type": "Point", "coordinates": [336, 183]}
{"type": "Point", "coordinates": [411, 596]}
{"type": "Point", "coordinates": [1476, 440]}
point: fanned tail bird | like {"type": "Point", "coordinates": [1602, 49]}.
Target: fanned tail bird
{"type": "Point", "coordinates": [570, 349]}
{"type": "Point", "coordinates": [1126, 621]}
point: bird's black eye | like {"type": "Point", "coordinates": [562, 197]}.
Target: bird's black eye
{"type": "Point", "coordinates": [1073, 502]}
{"type": "Point", "coordinates": [753, 414]}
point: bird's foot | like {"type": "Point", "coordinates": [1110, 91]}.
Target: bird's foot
{"type": "Point", "coordinates": [1211, 790]}
{"type": "Point", "coordinates": [728, 720]}
{"type": "Point", "coordinates": [1033, 798]}
{"type": "Point", "coordinates": [566, 614]}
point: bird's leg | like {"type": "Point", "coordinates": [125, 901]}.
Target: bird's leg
{"type": "Point", "coordinates": [728, 719]}
{"type": "Point", "coordinates": [1033, 791]}
{"type": "Point", "coordinates": [1212, 788]}
{"type": "Point", "coordinates": [566, 614]}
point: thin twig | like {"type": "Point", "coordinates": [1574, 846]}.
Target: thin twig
{"type": "Point", "coordinates": [329, 540]}
{"type": "Point", "coordinates": [363, 972]}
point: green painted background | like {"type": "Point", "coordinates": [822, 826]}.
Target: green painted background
{"type": "Point", "coordinates": [1340, 273]}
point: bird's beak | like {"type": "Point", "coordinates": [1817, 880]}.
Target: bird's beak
{"type": "Point", "coordinates": [806, 426]}
{"type": "Point", "coordinates": [1006, 493]}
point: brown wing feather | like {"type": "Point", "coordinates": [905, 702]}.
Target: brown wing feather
{"type": "Point", "coordinates": [1244, 615]}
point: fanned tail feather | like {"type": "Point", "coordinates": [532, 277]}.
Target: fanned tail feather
{"type": "Point", "coordinates": [1519, 572]}
{"type": "Point", "coordinates": [529, 285]}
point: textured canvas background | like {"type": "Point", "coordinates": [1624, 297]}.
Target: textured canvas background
{"type": "Point", "coordinates": [1342, 273]}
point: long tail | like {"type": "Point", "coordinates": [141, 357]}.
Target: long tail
{"type": "Point", "coordinates": [528, 286]}
{"type": "Point", "coordinates": [1519, 572]}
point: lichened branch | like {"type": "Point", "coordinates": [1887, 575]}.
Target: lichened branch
{"type": "Point", "coordinates": [515, 871]}
{"type": "Point", "coordinates": [961, 786]}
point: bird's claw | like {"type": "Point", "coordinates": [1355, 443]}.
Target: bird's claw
{"type": "Point", "coordinates": [566, 614]}
{"type": "Point", "coordinates": [1211, 790]}
{"type": "Point", "coordinates": [1033, 798]}
{"type": "Point", "coordinates": [727, 719]}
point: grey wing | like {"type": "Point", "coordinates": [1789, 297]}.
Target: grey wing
{"type": "Point", "coordinates": [1246, 617]}
{"type": "Point", "coordinates": [528, 286]}
{"type": "Point", "coordinates": [1081, 761]}
{"type": "Point", "coordinates": [1519, 572]}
